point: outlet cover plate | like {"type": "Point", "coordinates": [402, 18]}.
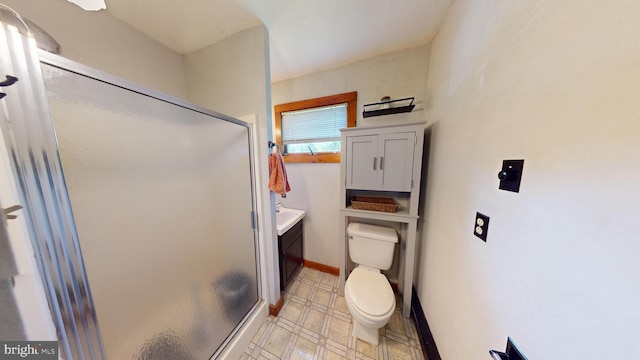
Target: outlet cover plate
{"type": "Point", "coordinates": [481, 226]}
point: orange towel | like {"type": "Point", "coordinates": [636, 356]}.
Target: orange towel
{"type": "Point", "coordinates": [278, 182]}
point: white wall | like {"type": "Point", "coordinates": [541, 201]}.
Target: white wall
{"type": "Point", "coordinates": [232, 77]}
{"type": "Point", "coordinates": [98, 40]}
{"type": "Point", "coordinates": [555, 83]}
{"type": "Point", "coordinates": [315, 187]}
{"type": "Point", "coordinates": [229, 76]}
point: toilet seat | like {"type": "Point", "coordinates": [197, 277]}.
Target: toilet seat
{"type": "Point", "coordinates": [370, 293]}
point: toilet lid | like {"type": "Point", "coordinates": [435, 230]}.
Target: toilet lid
{"type": "Point", "coordinates": [370, 292]}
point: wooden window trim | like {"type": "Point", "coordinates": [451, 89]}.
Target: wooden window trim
{"type": "Point", "coordinates": [351, 98]}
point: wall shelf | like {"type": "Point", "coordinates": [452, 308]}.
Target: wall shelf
{"type": "Point", "coordinates": [390, 110]}
{"type": "Point", "coordinates": [400, 216]}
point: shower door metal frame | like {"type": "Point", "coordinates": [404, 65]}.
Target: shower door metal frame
{"type": "Point", "coordinates": [59, 256]}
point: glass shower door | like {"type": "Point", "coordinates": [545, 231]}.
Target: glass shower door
{"type": "Point", "coordinates": [162, 198]}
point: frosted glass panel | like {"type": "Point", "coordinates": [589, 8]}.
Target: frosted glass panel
{"type": "Point", "coordinates": [162, 200]}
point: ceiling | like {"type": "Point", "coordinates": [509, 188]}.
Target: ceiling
{"type": "Point", "coordinates": [305, 35]}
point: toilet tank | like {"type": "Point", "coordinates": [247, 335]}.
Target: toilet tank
{"type": "Point", "coordinates": [371, 245]}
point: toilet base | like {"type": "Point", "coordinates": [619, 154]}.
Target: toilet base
{"type": "Point", "coordinates": [366, 333]}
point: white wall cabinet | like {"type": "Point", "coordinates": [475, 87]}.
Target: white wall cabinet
{"type": "Point", "coordinates": [380, 162]}
{"type": "Point", "coordinates": [383, 161]}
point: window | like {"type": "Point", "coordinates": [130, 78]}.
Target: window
{"type": "Point", "coordinates": [309, 130]}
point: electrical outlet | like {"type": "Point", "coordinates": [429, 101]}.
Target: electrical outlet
{"type": "Point", "coordinates": [481, 226]}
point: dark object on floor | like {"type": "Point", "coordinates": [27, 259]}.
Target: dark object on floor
{"type": "Point", "coordinates": [233, 289]}
{"type": "Point", "coordinates": [164, 346]}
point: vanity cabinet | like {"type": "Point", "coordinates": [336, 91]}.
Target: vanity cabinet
{"type": "Point", "coordinates": [383, 161]}
{"type": "Point", "coordinates": [290, 253]}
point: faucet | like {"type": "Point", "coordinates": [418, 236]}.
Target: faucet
{"type": "Point", "coordinates": [278, 206]}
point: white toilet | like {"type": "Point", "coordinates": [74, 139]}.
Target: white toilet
{"type": "Point", "coordinates": [367, 291]}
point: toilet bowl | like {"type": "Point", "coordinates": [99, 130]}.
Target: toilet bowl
{"type": "Point", "coordinates": [370, 301]}
{"type": "Point", "coordinates": [367, 291]}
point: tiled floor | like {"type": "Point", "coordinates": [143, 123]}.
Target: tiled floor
{"type": "Point", "coordinates": [315, 323]}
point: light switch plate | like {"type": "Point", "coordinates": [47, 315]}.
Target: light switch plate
{"type": "Point", "coordinates": [481, 226]}
{"type": "Point", "coordinates": [510, 175]}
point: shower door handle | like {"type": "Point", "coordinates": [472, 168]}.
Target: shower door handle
{"type": "Point", "coordinates": [10, 80]}
{"type": "Point", "coordinates": [7, 212]}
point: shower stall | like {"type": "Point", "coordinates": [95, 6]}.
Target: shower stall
{"type": "Point", "coordinates": [142, 209]}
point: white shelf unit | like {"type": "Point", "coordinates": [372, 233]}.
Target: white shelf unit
{"type": "Point", "coordinates": [383, 161]}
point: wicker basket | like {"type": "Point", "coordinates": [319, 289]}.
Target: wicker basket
{"type": "Point", "coordinates": [374, 204]}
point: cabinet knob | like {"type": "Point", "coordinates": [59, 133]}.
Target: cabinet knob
{"type": "Point", "coordinates": [375, 161]}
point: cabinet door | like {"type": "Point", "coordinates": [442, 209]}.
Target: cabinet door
{"type": "Point", "coordinates": [396, 161]}
{"type": "Point", "coordinates": [293, 257]}
{"type": "Point", "coordinates": [362, 162]}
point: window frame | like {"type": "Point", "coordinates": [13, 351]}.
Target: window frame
{"type": "Point", "coordinates": [350, 98]}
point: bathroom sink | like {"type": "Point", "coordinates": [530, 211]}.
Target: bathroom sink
{"type": "Point", "coordinates": [286, 218]}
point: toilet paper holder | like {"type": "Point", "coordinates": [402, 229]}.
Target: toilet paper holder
{"type": "Point", "coordinates": [511, 353]}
